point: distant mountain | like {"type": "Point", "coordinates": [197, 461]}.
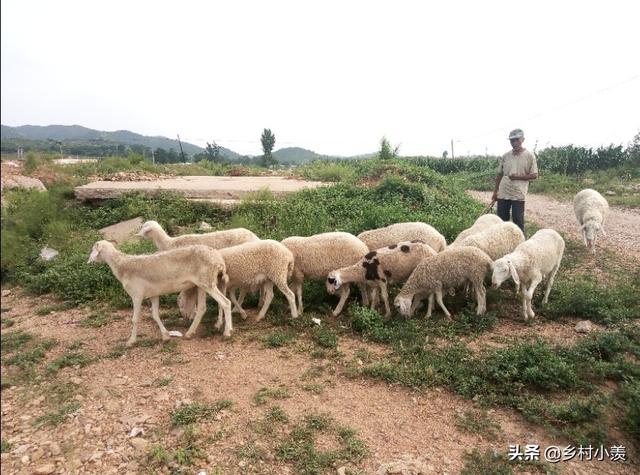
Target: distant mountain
{"type": "Point", "coordinates": [76, 134]}
{"type": "Point", "coordinates": [296, 155]}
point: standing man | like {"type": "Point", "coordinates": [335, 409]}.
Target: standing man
{"type": "Point", "coordinates": [517, 168]}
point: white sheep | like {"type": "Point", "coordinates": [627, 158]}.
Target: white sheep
{"type": "Point", "coordinates": [381, 267]}
{"type": "Point", "coordinates": [446, 270]}
{"type": "Point", "coordinates": [216, 240]}
{"type": "Point", "coordinates": [153, 275]}
{"type": "Point", "coordinates": [254, 265]}
{"type": "Point", "coordinates": [483, 222]}
{"type": "Point", "coordinates": [315, 256]}
{"type": "Point", "coordinates": [395, 233]}
{"type": "Point", "coordinates": [496, 240]}
{"type": "Point", "coordinates": [532, 261]}
{"type": "Point", "coordinates": [591, 209]}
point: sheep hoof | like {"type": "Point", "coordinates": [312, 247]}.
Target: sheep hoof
{"type": "Point", "coordinates": [243, 315]}
{"type": "Point", "coordinates": [218, 326]}
{"type": "Point", "coordinates": [227, 334]}
{"type": "Point", "coordinates": [188, 335]}
{"type": "Point", "coordinates": [166, 337]}
{"type": "Point", "coordinates": [130, 343]}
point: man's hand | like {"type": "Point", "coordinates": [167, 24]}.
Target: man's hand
{"type": "Point", "coordinates": [494, 197]}
{"type": "Point", "coordinates": [514, 176]}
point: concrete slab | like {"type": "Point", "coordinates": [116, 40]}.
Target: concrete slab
{"type": "Point", "coordinates": [197, 187]}
{"type": "Point", "coordinates": [122, 232]}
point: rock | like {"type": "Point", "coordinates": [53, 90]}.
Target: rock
{"type": "Point", "coordinates": [20, 181]}
{"type": "Point", "coordinates": [96, 456]}
{"type": "Point", "coordinates": [204, 226]}
{"type": "Point", "coordinates": [21, 449]}
{"type": "Point", "coordinates": [585, 326]}
{"type": "Point", "coordinates": [55, 449]}
{"type": "Point", "coordinates": [6, 292]}
{"type": "Point", "coordinates": [37, 455]}
{"type": "Point", "coordinates": [342, 471]}
{"type": "Point", "coordinates": [46, 469]}
{"type": "Point", "coordinates": [47, 253]}
{"type": "Point", "coordinates": [138, 443]}
{"type": "Point", "coordinates": [122, 232]}
{"type": "Point", "coordinates": [136, 431]}
{"type": "Point", "coordinates": [610, 193]}
{"type": "Point", "coordinates": [25, 460]}
{"type": "Point", "coordinates": [76, 380]}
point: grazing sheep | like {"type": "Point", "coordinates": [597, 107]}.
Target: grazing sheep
{"type": "Point", "coordinates": [496, 240]}
{"type": "Point", "coordinates": [395, 233]}
{"type": "Point", "coordinates": [591, 210]}
{"type": "Point", "coordinates": [381, 267]}
{"type": "Point", "coordinates": [532, 261]}
{"type": "Point", "coordinates": [216, 240]}
{"type": "Point", "coordinates": [446, 270]}
{"type": "Point", "coordinates": [254, 265]}
{"type": "Point", "coordinates": [315, 256]}
{"type": "Point", "coordinates": [153, 275]}
{"type": "Point", "coordinates": [482, 223]}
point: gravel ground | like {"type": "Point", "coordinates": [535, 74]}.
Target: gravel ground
{"type": "Point", "coordinates": [622, 225]}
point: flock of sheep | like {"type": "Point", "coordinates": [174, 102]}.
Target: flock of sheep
{"type": "Point", "coordinates": [223, 262]}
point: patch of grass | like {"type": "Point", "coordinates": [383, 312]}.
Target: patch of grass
{"type": "Point", "coordinates": [31, 354]}
{"type": "Point", "coordinates": [325, 337]}
{"type": "Point", "coordinates": [7, 322]}
{"type": "Point", "coordinates": [116, 352]}
{"type": "Point", "coordinates": [54, 419]}
{"type": "Point", "coordinates": [477, 463]}
{"type": "Point", "coordinates": [161, 382]}
{"type": "Point", "coordinates": [278, 338]}
{"type": "Point", "coordinates": [14, 340]}
{"type": "Point", "coordinates": [98, 319]}
{"type": "Point", "coordinates": [264, 394]}
{"type": "Point", "coordinates": [251, 452]}
{"type": "Point", "coordinates": [299, 447]}
{"type": "Point", "coordinates": [61, 392]}
{"type": "Point", "coordinates": [314, 388]}
{"type": "Point", "coordinates": [477, 422]}
{"type": "Point", "coordinates": [70, 359]}
{"type": "Point", "coordinates": [5, 446]}
{"type": "Point", "coordinates": [192, 413]}
{"type": "Point", "coordinates": [187, 453]}
{"type": "Point", "coordinates": [59, 307]}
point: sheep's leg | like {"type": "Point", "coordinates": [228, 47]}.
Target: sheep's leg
{"type": "Point", "coordinates": [267, 292]}
{"type": "Point", "coordinates": [481, 298]}
{"type": "Point", "coordinates": [547, 291]}
{"type": "Point", "coordinates": [532, 288]}
{"type": "Point", "coordinates": [137, 306]}
{"type": "Point", "coordinates": [385, 298]}
{"type": "Point", "coordinates": [201, 307]}
{"type": "Point", "coordinates": [430, 306]}
{"type": "Point", "coordinates": [226, 306]}
{"type": "Point", "coordinates": [375, 298]}
{"type": "Point", "coordinates": [296, 285]}
{"type": "Point", "coordinates": [223, 289]}
{"type": "Point", "coordinates": [241, 296]}
{"type": "Point", "coordinates": [187, 303]}
{"type": "Point", "coordinates": [236, 304]}
{"type": "Point", "coordinates": [155, 314]}
{"type": "Point", "coordinates": [417, 298]}
{"type": "Point", "coordinates": [364, 294]}
{"type": "Point", "coordinates": [290, 296]}
{"type": "Point", "coordinates": [345, 290]}
{"type": "Point", "coordinates": [441, 303]}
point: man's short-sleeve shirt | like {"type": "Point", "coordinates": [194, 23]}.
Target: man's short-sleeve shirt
{"type": "Point", "coordinates": [522, 164]}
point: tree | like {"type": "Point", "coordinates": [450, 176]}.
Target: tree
{"type": "Point", "coordinates": [445, 154]}
{"type": "Point", "coordinates": [268, 140]}
{"type": "Point", "coordinates": [213, 152]}
{"type": "Point", "coordinates": [386, 151]}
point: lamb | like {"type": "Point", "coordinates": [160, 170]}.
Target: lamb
{"type": "Point", "coordinates": [482, 223]}
{"type": "Point", "coordinates": [446, 270]}
{"type": "Point", "coordinates": [532, 261]}
{"type": "Point", "coordinates": [496, 240]}
{"type": "Point", "coordinates": [315, 256]}
{"type": "Point", "coordinates": [591, 209]}
{"type": "Point", "coordinates": [395, 233]}
{"type": "Point", "coordinates": [153, 275]}
{"type": "Point", "coordinates": [252, 265]}
{"type": "Point", "coordinates": [378, 268]}
{"type": "Point", "coordinates": [216, 240]}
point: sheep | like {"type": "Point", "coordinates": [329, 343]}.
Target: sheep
{"type": "Point", "coordinates": [378, 268]}
{"type": "Point", "coordinates": [315, 256]}
{"type": "Point", "coordinates": [252, 265]}
{"type": "Point", "coordinates": [528, 264]}
{"type": "Point", "coordinates": [591, 209]}
{"type": "Point", "coordinates": [482, 223]}
{"type": "Point", "coordinates": [216, 240]}
{"type": "Point", "coordinates": [153, 275]}
{"type": "Point", "coordinates": [395, 233]}
{"type": "Point", "coordinates": [496, 240]}
{"type": "Point", "coordinates": [446, 270]}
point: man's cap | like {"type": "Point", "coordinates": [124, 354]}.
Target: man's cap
{"type": "Point", "coordinates": [516, 134]}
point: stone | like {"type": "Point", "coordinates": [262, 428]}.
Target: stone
{"type": "Point", "coordinates": [20, 181]}
{"type": "Point", "coordinates": [76, 380]}
{"type": "Point", "coordinates": [25, 460]}
{"type": "Point", "coordinates": [21, 449]}
{"type": "Point", "coordinates": [96, 456]}
{"type": "Point", "coordinates": [46, 469]}
{"type": "Point", "coordinates": [585, 326]}
{"type": "Point", "coordinates": [138, 443]}
{"type": "Point", "coordinates": [342, 471]}
{"type": "Point", "coordinates": [610, 193]}
{"type": "Point", "coordinates": [204, 226]}
{"type": "Point", "coordinates": [124, 231]}
{"type": "Point", "coordinates": [6, 292]}
{"type": "Point", "coordinates": [37, 455]}
{"type": "Point", "coordinates": [47, 253]}
{"type": "Point", "coordinates": [55, 449]}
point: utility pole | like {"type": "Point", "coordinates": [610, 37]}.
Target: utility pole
{"type": "Point", "coordinates": [452, 154]}
{"type": "Point", "coordinates": [181, 151]}
{"type": "Point", "coordinates": [153, 156]}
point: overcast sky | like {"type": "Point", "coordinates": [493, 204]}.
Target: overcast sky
{"type": "Point", "coordinates": [330, 76]}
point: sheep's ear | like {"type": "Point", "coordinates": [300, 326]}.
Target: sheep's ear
{"type": "Point", "coordinates": [514, 273]}
{"type": "Point", "coordinates": [95, 252]}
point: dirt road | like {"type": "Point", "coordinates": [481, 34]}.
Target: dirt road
{"type": "Point", "coordinates": [622, 225]}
